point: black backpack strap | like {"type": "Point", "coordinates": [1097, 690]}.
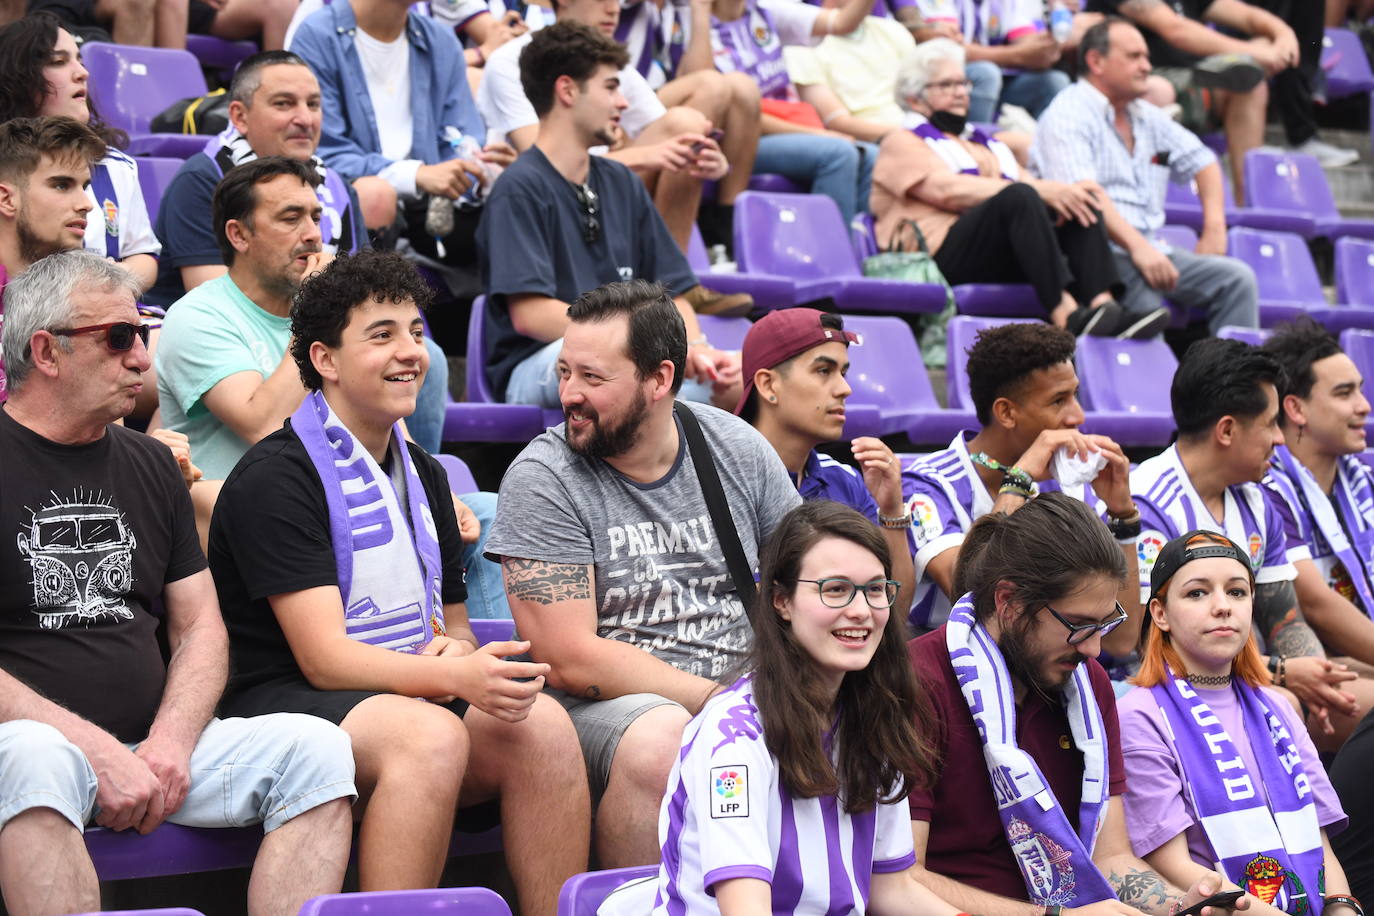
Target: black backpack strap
{"type": "Point", "coordinates": [726, 535]}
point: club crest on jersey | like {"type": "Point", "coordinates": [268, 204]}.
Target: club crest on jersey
{"type": "Point", "coordinates": [1044, 864]}
{"type": "Point", "coordinates": [1277, 886]}
{"type": "Point", "coordinates": [111, 210]}
{"type": "Point", "coordinates": [1256, 544]}
{"type": "Point", "coordinates": [758, 28]}
{"type": "Point", "coordinates": [730, 791]}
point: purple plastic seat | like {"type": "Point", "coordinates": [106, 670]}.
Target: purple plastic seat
{"type": "Point", "coordinates": [863, 233]}
{"type": "Point", "coordinates": [1359, 346]}
{"type": "Point", "coordinates": [804, 236]}
{"type": "Point", "coordinates": [481, 418]}
{"type": "Point", "coordinates": [1346, 64]}
{"type": "Point", "coordinates": [725, 333]}
{"type": "Point", "coordinates": [220, 54]}
{"type": "Point", "coordinates": [460, 478]}
{"type": "Point", "coordinates": [770, 292]}
{"type": "Point", "coordinates": [960, 334]}
{"type": "Point", "coordinates": [1182, 207]}
{"type": "Point", "coordinates": [166, 911]}
{"type": "Point", "coordinates": [170, 850]}
{"type": "Point", "coordinates": [1295, 183]}
{"type": "Point", "coordinates": [154, 174]}
{"type": "Point", "coordinates": [775, 184]}
{"type": "Point", "coordinates": [1288, 282]}
{"type": "Point", "coordinates": [997, 300]}
{"type": "Point", "coordinates": [492, 630]}
{"type": "Point", "coordinates": [468, 901]}
{"type": "Point", "coordinates": [1255, 337]}
{"type": "Point", "coordinates": [132, 85]}
{"type": "Point", "coordinates": [887, 373]}
{"type": "Point", "coordinates": [1124, 389]}
{"type": "Point", "coordinates": [1355, 271]}
{"type": "Point", "coordinates": [582, 894]}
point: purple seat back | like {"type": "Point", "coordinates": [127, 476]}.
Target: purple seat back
{"type": "Point", "coordinates": [863, 233]}
{"type": "Point", "coordinates": [154, 174]}
{"type": "Point", "coordinates": [1179, 236]}
{"type": "Point", "coordinates": [468, 901]}
{"type": "Point", "coordinates": [167, 911]}
{"type": "Point", "coordinates": [792, 235]}
{"type": "Point", "coordinates": [697, 257]}
{"type": "Point", "coordinates": [1355, 271]}
{"type": "Point", "coordinates": [887, 370]}
{"type": "Point", "coordinates": [960, 334]}
{"type": "Point", "coordinates": [1253, 336]}
{"type": "Point", "coordinates": [1125, 376]}
{"type": "Point", "coordinates": [775, 184]}
{"type": "Point", "coordinates": [220, 53]}
{"type": "Point", "coordinates": [725, 333]}
{"type": "Point", "coordinates": [582, 894]}
{"type": "Point", "coordinates": [460, 479]}
{"type": "Point", "coordinates": [1282, 264]}
{"type": "Point", "coordinates": [476, 377]}
{"type": "Point", "coordinates": [492, 630]}
{"type": "Point", "coordinates": [1291, 182]}
{"type": "Point", "coordinates": [131, 85]}
{"type": "Point", "coordinates": [1359, 346]}
{"type": "Point", "coordinates": [1346, 64]}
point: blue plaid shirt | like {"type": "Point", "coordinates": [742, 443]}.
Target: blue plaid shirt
{"type": "Point", "coordinates": [1076, 140]}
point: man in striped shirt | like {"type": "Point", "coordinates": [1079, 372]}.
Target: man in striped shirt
{"type": "Point", "coordinates": [1100, 129]}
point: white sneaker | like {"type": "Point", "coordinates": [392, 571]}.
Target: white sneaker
{"type": "Point", "coordinates": [1331, 157]}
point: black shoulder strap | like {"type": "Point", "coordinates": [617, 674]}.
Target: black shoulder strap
{"type": "Point", "coordinates": [711, 489]}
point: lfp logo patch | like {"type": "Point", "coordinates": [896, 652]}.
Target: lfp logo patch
{"type": "Point", "coordinates": [730, 791]}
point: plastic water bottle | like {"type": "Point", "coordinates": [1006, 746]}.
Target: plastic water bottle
{"type": "Point", "coordinates": [1061, 21]}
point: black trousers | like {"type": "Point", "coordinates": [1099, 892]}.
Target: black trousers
{"type": "Point", "coordinates": [1291, 91]}
{"type": "Point", "coordinates": [1009, 238]}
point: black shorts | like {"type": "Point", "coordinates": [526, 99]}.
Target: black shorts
{"type": "Point", "coordinates": [201, 18]}
{"type": "Point", "coordinates": [293, 693]}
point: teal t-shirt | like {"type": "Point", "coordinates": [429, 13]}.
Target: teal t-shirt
{"type": "Point", "coordinates": [211, 333]}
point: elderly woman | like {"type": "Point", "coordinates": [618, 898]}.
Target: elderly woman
{"type": "Point", "coordinates": [983, 217]}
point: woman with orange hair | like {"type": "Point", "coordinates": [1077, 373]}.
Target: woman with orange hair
{"type": "Point", "coordinates": [1223, 773]}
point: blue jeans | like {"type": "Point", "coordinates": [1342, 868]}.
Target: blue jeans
{"type": "Point", "coordinates": [840, 169]}
{"type": "Point", "coordinates": [986, 78]}
{"type": "Point", "coordinates": [261, 770]}
{"type": "Point", "coordinates": [486, 588]}
{"type": "Point", "coordinates": [426, 425]}
{"type": "Point", "coordinates": [1033, 90]}
{"type": "Point", "coordinates": [534, 380]}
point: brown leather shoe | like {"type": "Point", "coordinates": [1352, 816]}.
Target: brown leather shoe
{"type": "Point", "coordinates": [709, 302]}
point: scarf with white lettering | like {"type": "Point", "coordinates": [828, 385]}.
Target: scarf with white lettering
{"type": "Point", "coordinates": [388, 560]}
{"type": "Point", "coordinates": [1056, 862]}
{"type": "Point", "coordinates": [956, 156]}
{"type": "Point", "coordinates": [1273, 850]}
{"type": "Point", "coordinates": [1354, 499]}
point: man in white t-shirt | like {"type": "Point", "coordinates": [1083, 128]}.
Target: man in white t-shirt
{"type": "Point", "coordinates": [663, 132]}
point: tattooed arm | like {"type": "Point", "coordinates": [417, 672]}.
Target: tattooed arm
{"type": "Point", "coordinates": [554, 608]}
{"type": "Point", "coordinates": [1306, 671]}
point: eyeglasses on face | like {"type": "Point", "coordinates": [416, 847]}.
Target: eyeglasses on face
{"type": "Point", "coordinates": [591, 227]}
{"type": "Point", "coordinates": [951, 85]}
{"type": "Point", "coordinates": [120, 336]}
{"type": "Point", "coordinates": [1082, 632]}
{"type": "Point", "coordinates": [838, 592]}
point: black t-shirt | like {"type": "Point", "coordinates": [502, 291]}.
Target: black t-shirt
{"type": "Point", "coordinates": [1162, 54]}
{"type": "Point", "coordinates": [270, 536]}
{"type": "Point", "coordinates": [1350, 776]}
{"type": "Point", "coordinates": [94, 532]}
{"type": "Point", "coordinates": [532, 241]}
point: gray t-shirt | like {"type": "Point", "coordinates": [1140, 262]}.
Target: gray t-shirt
{"type": "Point", "coordinates": [661, 579]}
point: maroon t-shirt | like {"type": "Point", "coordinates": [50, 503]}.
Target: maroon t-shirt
{"type": "Point", "coordinates": [967, 842]}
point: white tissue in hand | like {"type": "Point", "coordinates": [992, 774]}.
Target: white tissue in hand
{"type": "Point", "coordinates": [1072, 471]}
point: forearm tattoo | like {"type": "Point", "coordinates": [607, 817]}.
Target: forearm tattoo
{"type": "Point", "coordinates": [1144, 890]}
{"type": "Point", "coordinates": [1285, 631]}
{"type": "Point", "coordinates": [546, 583]}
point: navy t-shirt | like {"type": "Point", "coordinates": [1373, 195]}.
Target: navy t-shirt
{"type": "Point", "coordinates": [186, 229]}
{"type": "Point", "coordinates": [532, 241]}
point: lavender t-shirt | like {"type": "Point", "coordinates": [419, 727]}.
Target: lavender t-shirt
{"type": "Point", "coordinates": [1157, 807]}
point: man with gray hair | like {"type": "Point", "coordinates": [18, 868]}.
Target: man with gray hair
{"type": "Point", "coordinates": [94, 726]}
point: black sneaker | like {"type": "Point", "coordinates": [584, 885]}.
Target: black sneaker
{"type": "Point", "coordinates": [1143, 326]}
{"type": "Point", "coordinates": [1101, 321]}
{"type": "Point", "coordinates": [1232, 72]}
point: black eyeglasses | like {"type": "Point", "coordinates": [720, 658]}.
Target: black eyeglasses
{"type": "Point", "coordinates": [120, 337]}
{"type": "Point", "coordinates": [591, 228]}
{"type": "Point", "coordinates": [838, 592]}
{"type": "Point", "coordinates": [1082, 632]}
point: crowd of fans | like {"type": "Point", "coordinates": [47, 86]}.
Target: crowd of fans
{"type": "Point", "coordinates": [1012, 676]}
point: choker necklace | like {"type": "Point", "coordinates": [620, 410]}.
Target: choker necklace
{"type": "Point", "coordinates": [1208, 680]}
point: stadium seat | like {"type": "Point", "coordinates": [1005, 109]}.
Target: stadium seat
{"type": "Point", "coordinates": [1253, 336]}
{"type": "Point", "coordinates": [170, 850]}
{"type": "Point", "coordinates": [1115, 393]}
{"type": "Point", "coordinates": [1346, 64]}
{"type": "Point", "coordinates": [220, 54]}
{"type": "Point", "coordinates": [1288, 282]}
{"type": "Point", "coordinates": [165, 911]}
{"type": "Point", "coordinates": [887, 373]}
{"type": "Point", "coordinates": [725, 333]}
{"type": "Point", "coordinates": [1182, 207]}
{"type": "Point", "coordinates": [1295, 183]}
{"type": "Point", "coordinates": [459, 476]}
{"type": "Point", "coordinates": [769, 291]}
{"type": "Point", "coordinates": [480, 418]}
{"type": "Point", "coordinates": [1355, 271]}
{"type": "Point", "coordinates": [775, 184]}
{"type": "Point", "coordinates": [492, 630]}
{"type": "Point", "coordinates": [132, 85]}
{"type": "Point", "coordinates": [804, 236]}
{"type": "Point", "coordinates": [469, 901]}
{"type": "Point", "coordinates": [959, 336]}
{"type": "Point", "coordinates": [582, 894]}
{"type": "Point", "coordinates": [155, 173]}
{"type": "Point", "coordinates": [1359, 346]}
{"type": "Point", "coordinates": [863, 233]}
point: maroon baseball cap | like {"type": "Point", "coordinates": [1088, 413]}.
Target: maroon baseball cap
{"type": "Point", "coordinates": [778, 336]}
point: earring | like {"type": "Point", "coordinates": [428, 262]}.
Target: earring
{"type": "Point", "coordinates": [772, 399]}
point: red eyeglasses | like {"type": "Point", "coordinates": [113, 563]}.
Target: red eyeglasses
{"type": "Point", "coordinates": [120, 337]}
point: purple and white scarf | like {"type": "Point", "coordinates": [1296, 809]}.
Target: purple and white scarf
{"type": "Point", "coordinates": [1262, 826]}
{"type": "Point", "coordinates": [1352, 493]}
{"type": "Point", "coordinates": [956, 156]}
{"type": "Point", "coordinates": [390, 582]}
{"type": "Point", "coordinates": [1056, 862]}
